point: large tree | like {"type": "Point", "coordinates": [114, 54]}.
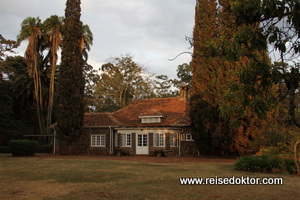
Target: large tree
{"type": "Point", "coordinates": [121, 81]}
{"type": "Point", "coordinates": [227, 99]}
{"type": "Point", "coordinates": [280, 22]}
{"type": "Point", "coordinates": [71, 79]}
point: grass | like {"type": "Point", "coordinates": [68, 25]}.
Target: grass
{"type": "Point", "coordinates": [89, 178]}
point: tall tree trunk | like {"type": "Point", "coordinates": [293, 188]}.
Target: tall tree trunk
{"type": "Point", "coordinates": [38, 95]}
{"type": "Point", "coordinates": [51, 91]}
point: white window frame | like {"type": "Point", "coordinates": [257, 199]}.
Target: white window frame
{"type": "Point", "coordinates": [189, 137]}
{"type": "Point", "coordinates": [173, 139]}
{"type": "Point", "coordinates": [98, 140]}
{"type": "Point", "coordinates": [159, 139]}
{"type": "Point", "coordinates": [151, 119]}
{"type": "Point", "coordinates": [126, 139]}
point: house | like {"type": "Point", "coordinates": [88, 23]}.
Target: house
{"type": "Point", "coordinates": [145, 127]}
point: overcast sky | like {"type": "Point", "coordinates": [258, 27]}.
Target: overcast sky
{"type": "Point", "coordinates": [153, 31]}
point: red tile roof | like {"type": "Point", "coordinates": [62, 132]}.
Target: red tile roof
{"type": "Point", "coordinates": [100, 119]}
{"type": "Point", "coordinates": [173, 110]}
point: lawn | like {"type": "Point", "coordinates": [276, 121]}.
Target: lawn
{"type": "Point", "coordinates": [63, 177]}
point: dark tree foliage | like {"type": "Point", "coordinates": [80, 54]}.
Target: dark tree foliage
{"type": "Point", "coordinates": [9, 126]}
{"type": "Point", "coordinates": [71, 79]}
{"type": "Point", "coordinates": [7, 122]}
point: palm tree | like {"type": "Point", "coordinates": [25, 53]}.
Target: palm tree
{"type": "Point", "coordinates": [53, 27]}
{"type": "Point", "coordinates": [32, 29]}
{"type": "Point", "coordinates": [87, 41]}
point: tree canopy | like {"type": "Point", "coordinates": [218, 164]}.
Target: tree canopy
{"type": "Point", "coordinates": [121, 81]}
{"type": "Point", "coordinates": [236, 89]}
{"type": "Point", "coordinates": [231, 89]}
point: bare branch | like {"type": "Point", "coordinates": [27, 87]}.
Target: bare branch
{"type": "Point", "coordinates": [180, 55]}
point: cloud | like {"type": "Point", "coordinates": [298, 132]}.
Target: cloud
{"type": "Point", "coordinates": [151, 30]}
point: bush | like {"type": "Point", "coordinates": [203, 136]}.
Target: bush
{"type": "Point", "coordinates": [265, 164]}
{"type": "Point", "coordinates": [23, 147]}
{"type": "Point", "coordinates": [289, 166]}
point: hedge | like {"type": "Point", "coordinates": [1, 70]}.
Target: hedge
{"type": "Point", "coordinates": [265, 164]}
{"type": "Point", "coordinates": [46, 148]}
{"type": "Point", "coordinates": [23, 147]}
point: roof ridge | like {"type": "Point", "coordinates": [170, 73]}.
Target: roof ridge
{"type": "Point", "coordinates": [96, 113]}
{"type": "Point", "coordinates": [167, 98]}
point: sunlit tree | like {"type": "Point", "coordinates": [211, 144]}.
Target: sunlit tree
{"type": "Point", "coordinates": [229, 98]}
{"type": "Point", "coordinates": [53, 26]}
{"type": "Point", "coordinates": [121, 81]}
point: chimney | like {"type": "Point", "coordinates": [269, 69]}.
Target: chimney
{"type": "Point", "coordinates": [183, 91]}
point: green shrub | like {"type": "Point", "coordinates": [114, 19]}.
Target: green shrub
{"type": "Point", "coordinates": [265, 164]}
{"type": "Point", "coordinates": [23, 147]}
{"type": "Point", "coordinates": [289, 166]}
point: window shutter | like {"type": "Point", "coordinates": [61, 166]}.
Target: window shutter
{"type": "Point", "coordinates": [123, 140]}
{"type": "Point", "coordinates": [116, 139]}
{"type": "Point", "coordinates": [156, 141]}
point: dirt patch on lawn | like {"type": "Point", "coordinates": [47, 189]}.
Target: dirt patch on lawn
{"type": "Point", "coordinates": [168, 159]}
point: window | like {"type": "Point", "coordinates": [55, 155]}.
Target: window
{"type": "Point", "coordinates": [159, 139]}
{"type": "Point", "coordinates": [182, 137]}
{"type": "Point", "coordinates": [98, 140]}
{"type": "Point", "coordinates": [173, 139]}
{"type": "Point", "coordinates": [189, 137]}
{"type": "Point", "coordinates": [126, 140]}
{"type": "Point", "coordinates": [151, 119]}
